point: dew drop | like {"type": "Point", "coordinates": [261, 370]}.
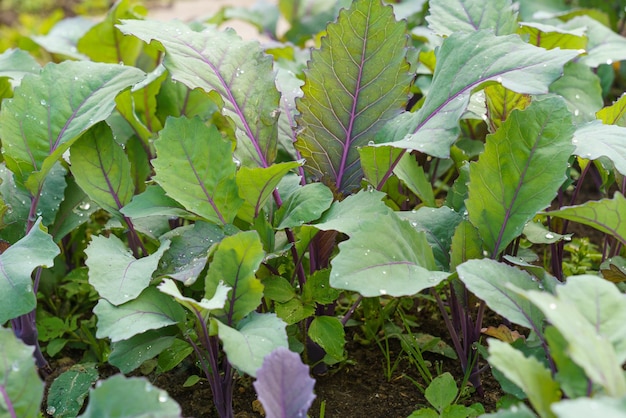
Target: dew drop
{"type": "Point", "coordinates": [162, 397]}
{"type": "Point", "coordinates": [609, 62]}
{"type": "Point", "coordinates": [43, 102]}
{"type": "Point", "coordinates": [549, 236]}
{"type": "Point", "coordinates": [552, 306]}
{"type": "Point", "coordinates": [51, 410]}
{"type": "Point", "coordinates": [383, 291]}
{"type": "Point", "coordinates": [84, 206]}
{"type": "Point", "coordinates": [576, 112]}
{"type": "Point", "coordinates": [499, 79]}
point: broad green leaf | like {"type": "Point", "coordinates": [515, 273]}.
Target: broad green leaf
{"type": "Point", "coordinates": [105, 43]}
{"type": "Point", "coordinates": [376, 163]}
{"type": "Point", "coordinates": [520, 171]}
{"type": "Point", "coordinates": [115, 273]}
{"type": "Point", "coordinates": [278, 289]}
{"type": "Point", "coordinates": [520, 410]}
{"type": "Point", "coordinates": [217, 301]}
{"type": "Point", "coordinates": [537, 233]}
{"type": "Point", "coordinates": [64, 36]}
{"type": "Point", "coordinates": [194, 166]}
{"type": "Point", "coordinates": [412, 175]}
{"type": "Point", "coordinates": [317, 288]}
{"type": "Point", "coordinates": [385, 256]}
{"type": "Point", "coordinates": [328, 333]}
{"type": "Point", "coordinates": [20, 385]}
{"type": "Point", "coordinates": [256, 336]}
{"type": "Point", "coordinates": [550, 37]}
{"type": "Point", "coordinates": [101, 169]}
{"type": "Point", "coordinates": [489, 280]}
{"type": "Point", "coordinates": [237, 70]}
{"type": "Point", "coordinates": [466, 61]}
{"type": "Point", "coordinates": [69, 391]}
{"type": "Point", "coordinates": [309, 17]}
{"type": "Point", "coordinates": [74, 210]}
{"type": "Point", "coordinates": [603, 215]}
{"type": "Point", "coordinates": [466, 244]}
{"type": "Point", "coordinates": [134, 397]}
{"type": "Point", "coordinates": [501, 102]}
{"type": "Point", "coordinates": [16, 266]}
{"type": "Point", "coordinates": [570, 376]}
{"type": "Point", "coordinates": [349, 215]}
{"type": "Point", "coordinates": [257, 184]}
{"type": "Point", "coordinates": [172, 356]}
{"type": "Point", "coordinates": [362, 61]}
{"type": "Point", "coordinates": [73, 96]}
{"type": "Point", "coordinates": [442, 391]}
{"type": "Point", "coordinates": [439, 225]}
{"type": "Point", "coordinates": [153, 202]}
{"type": "Point", "coordinates": [151, 310]}
{"type": "Point", "coordinates": [129, 354]}
{"type": "Point", "coordinates": [586, 332]}
{"type": "Point", "coordinates": [614, 114]}
{"type": "Point", "coordinates": [603, 46]}
{"type": "Point", "coordinates": [581, 89]}
{"type": "Point", "coordinates": [16, 202]}
{"type": "Point", "coordinates": [306, 204]}
{"type": "Point", "coordinates": [235, 263]}
{"type": "Point", "coordinates": [289, 85]}
{"type": "Point", "coordinates": [595, 139]}
{"type": "Point", "coordinates": [527, 373]}
{"type": "Point", "coordinates": [449, 16]}
{"type": "Point", "coordinates": [15, 64]}
{"type": "Point", "coordinates": [50, 196]}
{"type": "Point", "coordinates": [458, 192]}
{"type": "Point", "coordinates": [599, 406]}
{"type": "Point", "coordinates": [176, 99]}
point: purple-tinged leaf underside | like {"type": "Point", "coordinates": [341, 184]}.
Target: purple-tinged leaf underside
{"type": "Point", "coordinates": [465, 62]}
{"type": "Point", "coordinates": [238, 70]}
{"type": "Point", "coordinates": [73, 96]}
{"type": "Point", "coordinates": [355, 83]}
{"type": "Point", "coordinates": [520, 171]}
{"type": "Point", "coordinates": [604, 215]}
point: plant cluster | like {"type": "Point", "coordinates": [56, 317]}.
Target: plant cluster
{"type": "Point", "coordinates": [171, 190]}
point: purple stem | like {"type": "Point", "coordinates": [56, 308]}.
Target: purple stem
{"type": "Point", "coordinates": [7, 401]}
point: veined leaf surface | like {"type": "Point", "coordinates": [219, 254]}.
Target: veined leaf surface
{"type": "Point", "coordinates": [614, 114]}
{"type": "Point", "coordinates": [520, 171]}
{"type": "Point", "coordinates": [465, 61]}
{"type": "Point", "coordinates": [102, 169]}
{"type": "Point", "coordinates": [595, 139]}
{"type": "Point", "coordinates": [362, 62]}
{"type": "Point", "coordinates": [603, 46]}
{"type": "Point", "coordinates": [448, 16]}
{"type": "Point", "coordinates": [73, 96]}
{"type": "Point", "coordinates": [238, 70]}
{"type": "Point", "coordinates": [604, 215]}
{"type": "Point", "coordinates": [195, 167]}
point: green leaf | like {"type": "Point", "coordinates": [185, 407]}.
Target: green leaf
{"type": "Point", "coordinates": [152, 202]}
{"type": "Point", "coordinates": [278, 289]}
{"type": "Point", "coordinates": [134, 396]}
{"type": "Point", "coordinates": [317, 288]}
{"type": "Point", "coordinates": [16, 266]}
{"type": "Point", "coordinates": [16, 63]}
{"type": "Point", "coordinates": [572, 378]}
{"type": "Point", "coordinates": [256, 185]}
{"type": "Point", "coordinates": [376, 163]}
{"type": "Point", "coordinates": [466, 61]}
{"type": "Point", "coordinates": [51, 192]}
{"type": "Point", "coordinates": [515, 411]}
{"type": "Point", "coordinates": [550, 37]}
{"type": "Point", "coordinates": [64, 36]}
{"type": "Point", "coordinates": [501, 102]}
{"type": "Point", "coordinates": [115, 273]}
{"type": "Point", "coordinates": [424, 413]}
{"type": "Point", "coordinates": [328, 333]}
{"type": "Point", "coordinates": [614, 114]}
{"type": "Point", "coordinates": [255, 337]}
{"type": "Point", "coordinates": [151, 310]}
{"type": "Point", "coordinates": [105, 43]}
{"type": "Point", "coordinates": [217, 301]}
{"type": "Point", "coordinates": [306, 204]}
{"type": "Point", "coordinates": [385, 256]}
{"type": "Point", "coordinates": [235, 263]}
{"type": "Point", "coordinates": [466, 244]}
{"type": "Point", "coordinates": [527, 373]}
{"type": "Point", "coordinates": [489, 280]}
{"type": "Point", "coordinates": [73, 96]}
{"type": "Point", "coordinates": [594, 140]}
{"type": "Point", "coordinates": [448, 16]}
{"type": "Point", "coordinates": [239, 71]}
{"type": "Point", "coordinates": [595, 338]}
{"type": "Point", "coordinates": [603, 215]}
{"type": "Point", "coordinates": [412, 175]}
{"type": "Point", "coordinates": [362, 61]}
{"type": "Point", "coordinates": [20, 385]}
{"type": "Point", "coordinates": [129, 354]}
{"type": "Point", "coordinates": [102, 169]}
{"type": "Point", "coordinates": [603, 45]}
{"type": "Point", "coordinates": [581, 89]}
{"type": "Point", "coordinates": [69, 391]}
{"type": "Point", "coordinates": [172, 356]}
{"type": "Point", "coordinates": [520, 172]}
{"type": "Point", "coordinates": [600, 406]}
{"type": "Point", "coordinates": [537, 233]}
{"type": "Point", "coordinates": [194, 166]}
{"type": "Point", "coordinates": [15, 207]}
{"type": "Point", "coordinates": [74, 210]}
{"type": "Point", "coordinates": [442, 391]}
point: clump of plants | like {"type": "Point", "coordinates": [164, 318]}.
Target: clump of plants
{"type": "Point", "coordinates": [171, 190]}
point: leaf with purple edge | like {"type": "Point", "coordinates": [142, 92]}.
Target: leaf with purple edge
{"type": "Point", "coordinates": [362, 62]}
{"type": "Point", "coordinates": [237, 70]}
{"type": "Point", "coordinates": [283, 385]}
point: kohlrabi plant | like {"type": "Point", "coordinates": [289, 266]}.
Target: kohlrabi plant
{"type": "Point", "coordinates": [225, 199]}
